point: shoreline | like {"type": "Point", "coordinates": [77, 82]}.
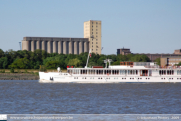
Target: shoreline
{"type": "Point", "coordinates": [18, 76]}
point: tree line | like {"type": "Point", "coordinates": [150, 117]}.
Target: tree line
{"type": "Point", "coordinates": [23, 59]}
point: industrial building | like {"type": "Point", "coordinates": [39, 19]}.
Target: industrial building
{"type": "Point", "coordinates": [56, 45]}
{"type": "Point", "coordinates": [152, 57]}
{"type": "Point", "coordinates": [92, 39]}
{"type": "Point", "coordinates": [92, 30]}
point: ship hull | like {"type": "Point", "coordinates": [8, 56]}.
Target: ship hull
{"type": "Point", "coordinates": [66, 78]}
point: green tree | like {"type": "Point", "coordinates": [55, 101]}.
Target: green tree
{"type": "Point", "coordinates": [75, 62]}
{"type": "Point", "coordinates": [1, 53]}
{"type": "Point", "coordinates": [113, 57]}
{"type": "Point", "coordinates": [116, 63]}
{"type": "Point", "coordinates": [52, 64]}
{"type": "Point", "coordinates": [158, 61]}
{"type": "Point", "coordinates": [90, 64]}
{"type": "Point", "coordinates": [121, 58]}
{"type": "Point", "coordinates": [42, 68]}
{"type": "Point", "coordinates": [3, 63]}
{"type": "Point", "coordinates": [21, 63]}
{"type": "Point", "coordinates": [100, 61]}
{"type": "Point", "coordinates": [140, 58]}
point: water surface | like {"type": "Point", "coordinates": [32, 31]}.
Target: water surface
{"type": "Point", "coordinates": [27, 96]}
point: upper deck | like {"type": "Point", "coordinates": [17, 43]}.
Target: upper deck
{"type": "Point", "coordinates": [128, 68]}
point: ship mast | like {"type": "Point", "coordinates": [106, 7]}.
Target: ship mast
{"type": "Point", "coordinates": [88, 58]}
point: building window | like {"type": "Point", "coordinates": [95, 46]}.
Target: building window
{"type": "Point", "coordinates": [96, 36]}
{"type": "Point", "coordinates": [96, 43]}
{"type": "Point", "coordinates": [96, 32]}
{"type": "Point", "coordinates": [92, 46]}
{"type": "Point", "coordinates": [96, 29]}
{"type": "Point", "coordinates": [92, 32]}
{"type": "Point", "coordinates": [92, 26]}
{"type": "Point", "coordinates": [96, 49]}
{"type": "Point", "coordinates": [96, 26]}
{"type": "Point", "coordinates": [96, 39]}
{"type": "Point", "coordinates": [92, 39]}
{"type": "Point", "coordinates": [96, 22]}
{"type": "Point", "coordinates": [92, 49]}
{"type": "Point", "coordinates": [92, 22]}
{"type": "Point", "coordinates": [92, 29]}
{"type": "Point", "coordinates": [92, 42]}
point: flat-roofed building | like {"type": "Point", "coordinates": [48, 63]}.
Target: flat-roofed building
{"type": "Point", "coordinates": [152, 57]}
{"type": "Point", "coordinates": [56, 44]}
{"type": "Point", "coordinates": [169, 61]}
{"type": "Point", "coordinates": [92, 30]}
{"type": "Point", "coordinates": [123, 51]}
{"type": "Point", "coordinates": [177, 52]}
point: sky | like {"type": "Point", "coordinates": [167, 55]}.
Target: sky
{"type": "Point", "coordinates": [143, 26]}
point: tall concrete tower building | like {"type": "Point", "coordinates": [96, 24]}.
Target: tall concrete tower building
{"type": "Point", "coordinates": [92, 30]}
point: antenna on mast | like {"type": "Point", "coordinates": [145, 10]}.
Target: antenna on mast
{"type": "Point", "coordinates": [109, 61]}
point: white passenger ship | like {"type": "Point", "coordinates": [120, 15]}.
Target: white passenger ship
{"type": "Point", "coordinates": [125, 72]}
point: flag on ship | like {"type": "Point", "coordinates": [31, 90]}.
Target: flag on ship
{"type": "Point", "coordinates": [90, 53]}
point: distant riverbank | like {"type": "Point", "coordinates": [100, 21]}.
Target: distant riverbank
{"type": "Point", "coordinates": [18, 76]}
{"type": "Point", "coordinates": [22, 74]}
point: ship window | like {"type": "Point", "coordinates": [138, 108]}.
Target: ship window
{"type": "Point", "coordinates": [128, 72]}
{"type": "Point", "coordinates": [164, 72]}
{"type": "Point", "coordinates": [105, 72]}
{"type": "Point", "coordinates": [136, 72]}
{"type": "Point", "coordinates": [101, 71]}
{"type": "Point", "coordinates": [168, 72]}
{"type": "Point", "coordinates": [179, 72]}
{"type": "Point", "coordinates": [109, 71]}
